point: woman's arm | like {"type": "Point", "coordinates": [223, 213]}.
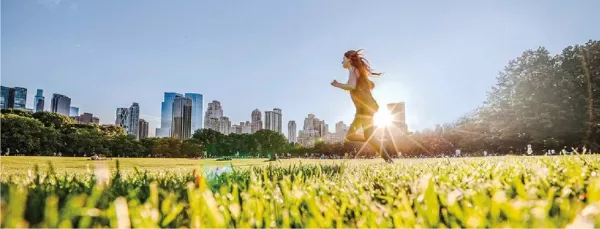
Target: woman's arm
{"type": "Point", "coordinates": [350, 85]}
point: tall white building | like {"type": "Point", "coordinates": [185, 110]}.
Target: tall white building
{"type": "Point", "coordinates": [214, 112]}
{"type": "Point", "coordinates": [224, 125]}
{"type": "Point", "coordinates": [273, 120]}
{"type": "Point", "coordinates": [292, 131]}
{"type": "Point", "coordinates": [311, 131]}
{"type": "Point", "coordinates": [246, 127]}
{"type": "Point", "coordinates": [341, 129]}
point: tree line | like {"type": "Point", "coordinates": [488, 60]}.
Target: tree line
{"type": "Point", "coordinates": [46, 133]}
{"type": "Point", "coordinates": [543, 100]}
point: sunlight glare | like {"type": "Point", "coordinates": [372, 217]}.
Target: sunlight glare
{"type": "Point", "coordinates": [383, 118]}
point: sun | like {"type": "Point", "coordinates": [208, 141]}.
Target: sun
{"type": "Point", "coordinates": [382, 118]}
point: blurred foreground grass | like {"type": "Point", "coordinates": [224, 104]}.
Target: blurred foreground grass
{"type": "Point", "coordinates": [515, 192]}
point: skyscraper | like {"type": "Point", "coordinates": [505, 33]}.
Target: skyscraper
{"type": "Point", "coordinates": [182, 118]}
{"type": "Point", "coordinates": [256, 120]}
{"type": "Point", "coordinates": [5, 98]}
{"type": "Point", "coordinates": [60, 104]}
{"type": "Point", "coordinates": [213, 116]}
{"type": "Point", "coordinates": [224, 125]}
{"type": "Point", "coordinates": [14, 98]}
{"type": "Point", "coordinates": [398, 111]}
{"type": "Point", "coordinates": [122, 119]}
{"type": "Point", "coordinates": [166, 114]}
{"type": "Point", "coordinates": [128, 118]}
{"type": "Point", "coordinates": [134, 118]}
{"type": "Point", "coordinates": [143, 129]}
{"type": "Point", "coordinates": [273, 120]}
{"type": "Point", "coordinates": [341, 129]}
{"type": "Point", "coordinates": [74, 111]}
{"type": "Point", "coordinates": [292, 131]}
{"type": "Point", "coordinates": [20, 98]}
{"type": "Point", "coordinates": [197, 109]}
{"type": "Point", "coordinates": [38, 102]}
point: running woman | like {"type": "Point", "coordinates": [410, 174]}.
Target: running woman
{"type": "Point", "coordinates": [360, 88]}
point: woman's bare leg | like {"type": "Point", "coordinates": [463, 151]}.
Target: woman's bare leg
{"type": "Point", "coordinates": [369, 130]}
{"type": "Point", "coordinates": [352, 135]}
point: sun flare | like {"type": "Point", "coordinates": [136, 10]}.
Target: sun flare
{"type": "Point", "coordinates": [382, 118]}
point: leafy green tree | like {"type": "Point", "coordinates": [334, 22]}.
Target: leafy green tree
{"type": "Point", "coordinates": [125, 146]}
{"type": "Point", "coordinates": [148, 145]}
{"type": "Point", "coordinates": [190, 148]}
{"type": "Point", "coordinates": [51, 119]}
{"type": "Point", "coordinates": [112, 130]}
{"type": "Point", "coordinates": [270, 142]}
{"type": "Point", "coordinates": [18, 112]}
{"type": "Point", "coordinates": [20, 133]}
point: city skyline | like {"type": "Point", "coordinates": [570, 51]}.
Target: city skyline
{"type": "Point", "coordinates": [152, 48]}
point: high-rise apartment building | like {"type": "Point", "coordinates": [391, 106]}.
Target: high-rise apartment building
{"type": "Point", "coordinates": [134, 118]}
{"type": "Point", "coordinates": [143, 129]}
{"type": "Point", "coordinates": [213, 115]}
{"type": "Point", "coordinates": [214, 119]}
{"type": "Point", "coordinates": [74, 111]}
{"type": "Point", "coordinates": [292, 131]}
{"type": "Point", "coordinates": [398, 112]}
{"type": "Point", "coordinates": [38, 102]}
{"type": "Point", "coordinates": [166, 114]}
{"type": "Point", "coordinates": [181, 127]}
{"type": "Point", "coordinates": [60, 104]}
{"type": "Point", "coordinates": [341, 129]}
{"type": "Point", "coordinates": [197, 109]}
{"type": "Point", "coordinates": [256, 120]}
{"type": "Point", "coordinates": [312, 130]}
{"type": "Point", "coordinates": [14, 98]}
{"type": "Point", "coordinates": [273, 120]}
{"type": "Point", "coordinates": [224, 125]}
{"type": "Point", "coordinates": [246, 127]}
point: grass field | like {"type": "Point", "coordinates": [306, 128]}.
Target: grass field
{"type": "Point", "coordinates": [512, 192]}
{"type": "Point", "coordinates": [20, 165]}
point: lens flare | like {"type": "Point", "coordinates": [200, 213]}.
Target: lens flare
{"type": "Point", "coordinates": [383, 118]}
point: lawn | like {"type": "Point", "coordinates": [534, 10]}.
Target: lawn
{"type": "Point", "coordinates": [20, 165]}
{"type": "Point", "coordinates": [494, 192]}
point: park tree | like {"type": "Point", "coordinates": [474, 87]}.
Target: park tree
{"type": "Point", "coordinates": [112, 130]}
{"type": "Point", "coordinates": [191, 148]}
{"type": "Point", "coordinates": [52, 119]}
{"type": "Point", "coordinates": [125, 146]}
{"type": "Point", "coordinates": [20, 134]}
{"type": "Point", "coordinates": [148, 145]}
{"type": "Point", "coordinates": [18, 112]}
{"type": "Point", "coordinates": [167, 147]}
{"type": "Point", "coordinates": [270, 142]}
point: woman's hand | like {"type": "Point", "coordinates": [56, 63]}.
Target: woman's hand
{"type": "Point", "coordinates": [335, 83]}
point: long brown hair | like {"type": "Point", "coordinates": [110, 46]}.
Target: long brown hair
{"type": "Point", "coordinates": [358, 61]}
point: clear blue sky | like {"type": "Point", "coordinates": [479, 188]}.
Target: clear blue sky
{"type": "Point", "coordinates": [440, 57]}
